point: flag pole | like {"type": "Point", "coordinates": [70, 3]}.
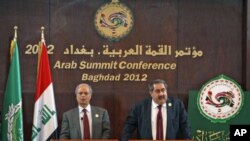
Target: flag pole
{"type": "Point", "coordinates": [15, 33]}
{"type": "Point", "coordinates": [42, 33]}
{"type": "Point", "coordinates": [13, 42]}
{"type": "Point", "coordinates": [40, 46]}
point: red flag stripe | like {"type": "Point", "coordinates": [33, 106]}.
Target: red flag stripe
{"type": "Point", "coordinates": [44, 74]}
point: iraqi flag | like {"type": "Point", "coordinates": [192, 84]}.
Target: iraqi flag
{"type": "Point", "coordinates": [45, 115]}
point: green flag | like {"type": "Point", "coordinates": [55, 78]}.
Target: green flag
{"type": "Point", "coordinates": [220, 103]}
{"type": "Point", "coordinates": [205, 130]}
{"type": "Point", "coordinates": [12, 114]}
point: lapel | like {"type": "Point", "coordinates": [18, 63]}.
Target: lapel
{"type": "Point", "coordinates": [76, 119]}
{"type": "Point", "coordinates": [148, 129]}
{"type": "Point", "coordinates": [170, 114]}
{"type": "Point", "coordinates": [94, 120]}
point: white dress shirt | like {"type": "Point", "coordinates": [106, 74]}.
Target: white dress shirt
{"type": "Point", "coordinates": [81, 113]}
{"type": "Point", "coordinates": [154, 113]}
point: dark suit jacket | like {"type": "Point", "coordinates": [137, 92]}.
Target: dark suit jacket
{"type": "Point", "coordinates": [140, 118]}
{"type": "Point", "coordinates": [71, 129]}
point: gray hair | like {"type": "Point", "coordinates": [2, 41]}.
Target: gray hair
{"type": "Point", "coordinates": [156, 81]}
{"type": "Point", "coordinates": [84, 84]}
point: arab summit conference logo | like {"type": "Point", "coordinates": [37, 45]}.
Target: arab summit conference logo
{"type": "Point", "coordinates": [114, 20]}
{"type": "Point", "coordinates": [220, 99]}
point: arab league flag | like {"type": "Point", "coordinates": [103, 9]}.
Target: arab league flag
{"type": "Point", "coordinates": [12, 114]}
{"type": "Point", "coordinates": [45, 116]}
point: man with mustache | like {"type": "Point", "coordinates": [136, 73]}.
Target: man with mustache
{"type": "Point", "coordinates": [85, 121]}
{"type": "Point", "coordinates": [157, 118]}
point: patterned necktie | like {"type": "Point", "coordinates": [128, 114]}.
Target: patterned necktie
{"type": "Point", "coordinates": [159, 125]}
{"type": "Point", "coordinates": [86, 132]}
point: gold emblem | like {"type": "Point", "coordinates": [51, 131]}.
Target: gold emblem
{"type": "Point", "coordinates": [96, 115]}
{"type": "Point", "coordinates": [169, 104]}
{"type": "Point", "coordinates": [114, 20]}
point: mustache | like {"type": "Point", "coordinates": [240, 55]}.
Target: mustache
{"type": "Point", "coordinates": [161, 97]}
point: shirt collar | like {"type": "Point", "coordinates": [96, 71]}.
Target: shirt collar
{"type": "Point", "coordinates": [155, 105]}
{"type": "Point", "coordinates": [81, 108]}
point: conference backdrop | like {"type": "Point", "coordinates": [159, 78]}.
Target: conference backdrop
{"type": "Point", "coordinates": [120, 46]}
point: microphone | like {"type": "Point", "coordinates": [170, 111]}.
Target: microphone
{"type": "Point", "coordinates": [81, 118]}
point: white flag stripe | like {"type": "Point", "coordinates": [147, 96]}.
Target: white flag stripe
{"type": "Point", "coordinates": [46, 98]}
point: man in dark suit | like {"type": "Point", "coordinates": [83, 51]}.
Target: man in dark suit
{"type": "Point", "coordinates": [157, 118]}
{"type": "Point", "coordinates": [74, 126]}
